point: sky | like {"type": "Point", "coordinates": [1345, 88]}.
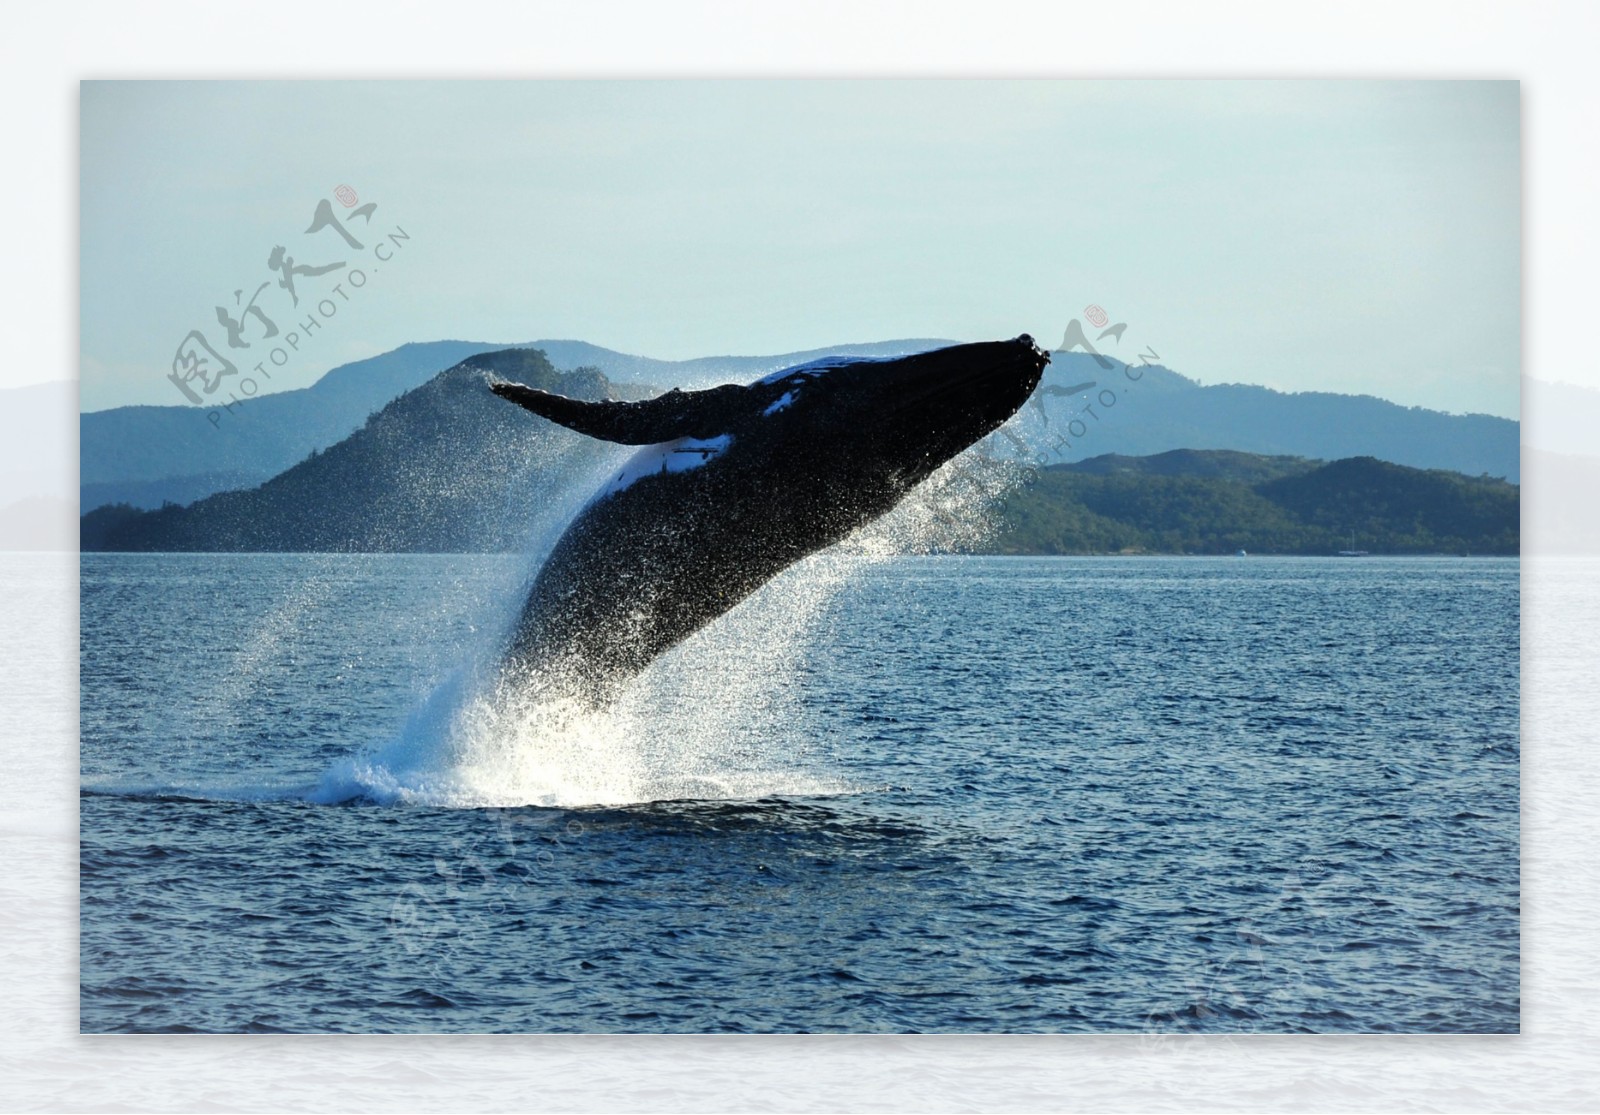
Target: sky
{"type": "Point", "coordinates": [1351, 236]}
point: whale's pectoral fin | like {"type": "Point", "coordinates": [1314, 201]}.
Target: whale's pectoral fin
{"type": "Point", "coordinates": [697, 414]}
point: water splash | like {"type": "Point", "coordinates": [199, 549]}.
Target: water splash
{"type": "Point", "coordinates": [721, 716]}
{"type": "Point", "coordinates": [718, 717]}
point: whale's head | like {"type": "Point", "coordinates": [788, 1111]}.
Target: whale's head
{"type": "Point", "coordinates": [856, 432]}
{"type": "Point", "coordinates": [900, 418]}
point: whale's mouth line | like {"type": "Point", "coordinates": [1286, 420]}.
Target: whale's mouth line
{"type": "Point", "coordinates": [1016, 373]}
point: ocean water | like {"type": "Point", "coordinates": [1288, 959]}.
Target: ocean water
{"type": "Point", "coordinates": [889, 794]}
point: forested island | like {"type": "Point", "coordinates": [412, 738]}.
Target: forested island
{"type": "Point", "coordinates": [448, 467]}
{"type": "Point", "coordinates": [1220, 502]}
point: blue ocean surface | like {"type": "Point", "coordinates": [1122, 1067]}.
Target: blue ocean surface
{"type": "Point", "coordinates": [904, 794]}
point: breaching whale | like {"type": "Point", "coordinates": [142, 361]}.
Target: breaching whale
{"type": "Point", "coordinates": [737, 483]}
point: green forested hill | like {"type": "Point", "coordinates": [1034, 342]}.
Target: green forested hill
{"type": "Point", "coordinates": [448, 467]}
{"type": "Point", "coordinates": [1216, 502]}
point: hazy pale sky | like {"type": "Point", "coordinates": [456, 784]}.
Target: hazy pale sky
{"type": "Point", "coordinates": [1354, 236]}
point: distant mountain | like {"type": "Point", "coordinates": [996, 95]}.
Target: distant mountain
{"type": "Point", "coordinates": [708, 371]}
{"type": "Point", "coordinates": [448, 466]}
{"type": "Point", "coordinates": [148, 455]}
{"type": "Point", "coordinates": [145, 457]}
{"type": "Point", "coordinates": [148, 494]}
{"type": "Point", "coordinates": [1161, 411]}
{"type": "Point", "coordinates": [1209, 464]}
{"type": "Point", "coordinates": [1190, 502]}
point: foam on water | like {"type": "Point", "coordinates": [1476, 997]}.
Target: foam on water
{"type": "Point", "coordinates": [718, 717]}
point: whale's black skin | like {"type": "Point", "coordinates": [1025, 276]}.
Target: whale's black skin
{"type": "Point", "coordinates": [736, 484]}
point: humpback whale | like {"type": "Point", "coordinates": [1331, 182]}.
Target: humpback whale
{"type": "Point", "coordinates": [736, 483]}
